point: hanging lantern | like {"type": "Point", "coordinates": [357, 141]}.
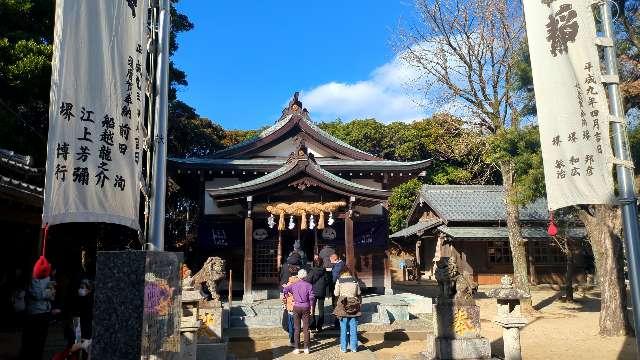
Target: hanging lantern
{"type": "Point", "coordinates": [330, 221]}
{"type": "Point", "coordinates": [271, 221]}
{"type": "Point", "coordinates": [553, 229]}
{"type": "Point", "coordinates": [292, 223]}
{"type": "Point", "coordinates": [312, 222]}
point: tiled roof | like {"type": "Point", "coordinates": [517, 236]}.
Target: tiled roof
{"type": "Point", "coordinates": [416, 228]}
{"type": "Point", "coordinates": [263, 179]}
{"type": "Point", "coordinates": [21, 163]}
{"type": "Point", "coordinates": [282, 121]}
{"type": "Point", "coordinates": [495, 232]}
{"type": "Point", "coordinates": [292, 168]}
{"type": "Point", "coordinates": [476, 203]}
{"type": "Point", "coordinates": [329, 163]}
{"type": "Point", "coordinates": [21, 187]}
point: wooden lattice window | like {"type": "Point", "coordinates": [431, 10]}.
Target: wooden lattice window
{"type": "Point", "coordinates": [265, 269]}
{"type": "Point", "coordinates": [545, 252]}
{"type": "Point", "coordinates": [499, 252]}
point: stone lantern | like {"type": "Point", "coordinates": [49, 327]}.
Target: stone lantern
{"type": "Point", "coordinates": [509, 316]}
{"type": "Point", "coordinates": [190, 322]}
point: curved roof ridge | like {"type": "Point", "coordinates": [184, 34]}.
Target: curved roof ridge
{"type": "Point", "coordinates": [295, 115]}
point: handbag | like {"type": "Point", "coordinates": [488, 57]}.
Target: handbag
{"type": "Point", "coordinates": [351, 305]}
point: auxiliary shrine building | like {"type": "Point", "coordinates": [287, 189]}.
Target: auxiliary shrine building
{"type": "Point", "coordinates": [293, 182]}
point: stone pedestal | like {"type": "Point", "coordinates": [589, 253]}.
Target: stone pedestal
{"type": "Point", "coordinates": [211, 323]}
{"type": "Point", "coordinates": [210, 341]}
{"type": "Point", "coordinates": [443, 348]}
{"type": "Point", "coordinates": [456, 333]}
{"type": "Point", "coordinates": [137, 305]}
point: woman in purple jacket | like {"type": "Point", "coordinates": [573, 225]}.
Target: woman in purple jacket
{"type": "Point", "coordinates": [303, 297]}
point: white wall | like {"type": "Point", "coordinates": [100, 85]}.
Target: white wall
{"type": "Point", "coordinates": [210, 206]}
{"type": "Point", "coordinates": [374, 210]}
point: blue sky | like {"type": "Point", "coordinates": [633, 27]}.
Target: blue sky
{"type": "Point", "coordinates": [244, 59]}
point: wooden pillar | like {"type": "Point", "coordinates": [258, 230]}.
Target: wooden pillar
{"type": "Point", "coordinates": [348, 236]}
{"type": "Point", "coordinates": [248, 254]}
{"type": "Point", "coordinates": [387, 275]}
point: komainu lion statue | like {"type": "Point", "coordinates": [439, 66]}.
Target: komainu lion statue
{"type": "Point", "coordinates": [212, 272]}
{"type": "Point", "coordinates": [452, 284]}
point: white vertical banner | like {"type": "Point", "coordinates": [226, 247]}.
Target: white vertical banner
{"type": "Point", "coordinates": [573, 113]}
{"type": "Point", "coordinates": [96, 112]}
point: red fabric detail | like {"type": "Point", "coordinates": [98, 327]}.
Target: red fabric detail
{"type": "Point", "coordinates": [553, 229]}
{"type": "Point", "coordinates": [42, 268]}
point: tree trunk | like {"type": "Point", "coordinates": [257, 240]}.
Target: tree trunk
{"type": "Point", "coordinates": [603, 230]}
{"type": "Point", "coordinates": [568, 281]}
{"type": "Point", "coordinates": [516, 242]}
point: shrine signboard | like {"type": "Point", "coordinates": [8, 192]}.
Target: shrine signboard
{"type": "Point", "coordinates": [572, 108]}
{"type": "Point", "coordinates": [98, 88]}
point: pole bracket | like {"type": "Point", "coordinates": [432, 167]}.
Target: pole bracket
{"type": "Point", "coordinates": [617, 120]}
{"type": "Point", "coordinates": [604, 41]}
{"type": "Point", "coordinates": [625, 163]}
{"type": "Point", "coordinates": [610, 79]}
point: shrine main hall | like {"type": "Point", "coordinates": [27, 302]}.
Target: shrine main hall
{"type": "Point", "coordinates": [293, 181]}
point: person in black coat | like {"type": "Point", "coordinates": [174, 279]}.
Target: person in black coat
{"type": "Point", "coordinates": [293, 260]}
{"type": "Point", "coordinates": [317, 279]}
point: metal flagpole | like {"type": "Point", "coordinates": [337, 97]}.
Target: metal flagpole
{"type": "Point", "coordinates": [624, 165]}
{"type": "Point", "coordinates": [158, 183]}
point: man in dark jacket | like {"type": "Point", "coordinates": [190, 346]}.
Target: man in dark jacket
{"type": "Point", "coordinates": [317, 278]}
{"type": "Point", "coordinates": [338, 264]}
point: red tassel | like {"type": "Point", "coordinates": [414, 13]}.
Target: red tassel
{"type": "Point", "coordinates": [42, 267]}
{"type": "Point", "coordinates": [553, 229]}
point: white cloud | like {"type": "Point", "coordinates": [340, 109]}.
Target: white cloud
{"type": "Point", "coordinates": [386, 96]}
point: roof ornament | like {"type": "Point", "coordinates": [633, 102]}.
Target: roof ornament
{"type": "Point", "coordinates": [302, 152]}
{"type": "Point", "coordinates": [295, 105]}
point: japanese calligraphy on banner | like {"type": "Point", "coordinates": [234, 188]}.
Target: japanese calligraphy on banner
{"type": "Point", "coordinates": [573, 114]}
{"type": "Point", "coordinates": [97, 96]}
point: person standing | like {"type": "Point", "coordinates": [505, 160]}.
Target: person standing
{"type": "Point", "coordinates": [287, 300]}
{"type": "Point", "coordinates": [303, 297]}
{"type": "Point", "coordinates": [317, 278]}
{"type": "Point", "coordinates": [40, 294]}
{"type": "Point", "coordinates": [298, 251]}
{"type": "Point", "coordinates": [347, 310]}
{"type": "Point", "coordinates": [325, 255]}
{"type": "Point", "coordinates": [84, 312]}
{"type": "Point", "coordinates": [336, 268]}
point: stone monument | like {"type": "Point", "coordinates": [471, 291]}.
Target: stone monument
{"type": "Point", "coordinates": [456, 318]}
{"type": "Point", "coordinates": [210, 344]}
{"type": "Point", "coordinates": [137, 305]}
{"type": "Point", "coordinates": [509, 316]}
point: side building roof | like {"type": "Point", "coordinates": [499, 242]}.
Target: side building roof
{"type": "Point", "coordinates": [473, 203]}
